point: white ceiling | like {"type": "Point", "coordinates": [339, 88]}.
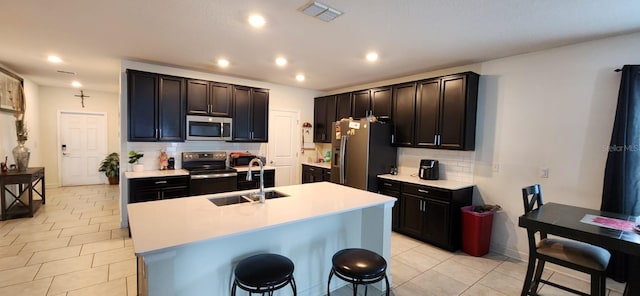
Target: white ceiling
{"type": "Point", "coordinates": [411, 36]}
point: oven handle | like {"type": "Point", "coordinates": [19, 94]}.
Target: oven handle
{"type": "Point", "coordinates": [213, 176]}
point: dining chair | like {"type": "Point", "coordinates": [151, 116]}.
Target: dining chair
{"type": "Point", "coordinates": [571, 254]}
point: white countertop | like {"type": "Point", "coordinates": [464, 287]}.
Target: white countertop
{"type": "Point", "coordinates": [446, 184]}
{"type": "Point", "coordinates": [157, 173]}
{"type": "Point", "coordinates": [324, 165]}
{"type": "Point", "coordinates": [165, 224]}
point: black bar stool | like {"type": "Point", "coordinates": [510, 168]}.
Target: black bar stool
{"type": "Point", "coordinates": [358, 267]}
{"type": "Point", "coordinates": [264, 273]}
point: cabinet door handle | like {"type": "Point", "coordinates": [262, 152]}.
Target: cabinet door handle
{"type": "Point", "coordinates": [423, 191]}
{"type": "Point", "coordinates": [387, 184]}
{"type": "Point", "coordinates": [393, 139]}
{"type": "Point", "coordinates": [439, 141]}
{"type": "Point", "coordinates": [161, 182]}
{"type": "Point", "coordinates": [311, 169]}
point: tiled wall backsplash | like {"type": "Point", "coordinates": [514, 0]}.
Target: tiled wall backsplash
{"type": "Point", "coordinates": [151, 150]}
{"type": "Point", "coordinates": [454, 165]}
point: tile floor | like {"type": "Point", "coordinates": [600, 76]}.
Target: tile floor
{"type": "Point", "coordinates": [74, 246]}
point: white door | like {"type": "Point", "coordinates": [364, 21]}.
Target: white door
{"type": "Point", "coordinates": [284, 144]}
{"type": "Point", "coordinates": [82, 146]}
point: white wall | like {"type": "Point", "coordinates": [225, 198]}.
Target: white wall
{"type": "Point", "coordinates": [551, 109]}
{"type": "Point", "coordinates": [56, 99]}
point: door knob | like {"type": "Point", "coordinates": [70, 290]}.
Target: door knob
{"type": "Point", "coordinates": [271, 162]}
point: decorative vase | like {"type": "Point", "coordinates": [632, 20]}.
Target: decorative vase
{"type": "Point", "coordinates": [21, 156]}
{"type": "Point", "coordinates": [138, 167]}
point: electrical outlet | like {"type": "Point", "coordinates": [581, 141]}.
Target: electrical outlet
{"type": "Point", "coordinates": [544, 172]}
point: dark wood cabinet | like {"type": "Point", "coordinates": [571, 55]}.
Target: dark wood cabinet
{"type": "Point", "coordinates": [428, 213]}
{"type": "Point", "coordinates": [269, 179]}
{"type": "Point", "coordinates": [381, 103]}
{"type": "Point", "coordinates": [324, 114]}
{"type": "Point", "coordinates": [208, 98]}
{"type": "Point", "coordinates": [156, 107]}
{"type": "Point", "coordinates": [251, 114]}
{"type": "Point", "coordinates": [361, 103]}
{"type": "Point", "coordinates": [446, 112]}
{"type": "Point", "coordinates": [343, 106]}
{"type": "Point", "coordinates": [157, 188]}
{"type": "Point", "coordinates": [392, 188]}
{"type": "Point", "coordinates": [436, 113]}
{"type": "Point", "coordinates": [403, 113]}
{"type": "Point", "coordinates": [312, 174]}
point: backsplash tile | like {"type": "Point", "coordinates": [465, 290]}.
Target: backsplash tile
{"type": "Point", "coordinates": [454, 165]}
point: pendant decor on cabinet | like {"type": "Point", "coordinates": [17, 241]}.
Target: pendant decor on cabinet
{"type": "Point", "coordinates": [82, 96]}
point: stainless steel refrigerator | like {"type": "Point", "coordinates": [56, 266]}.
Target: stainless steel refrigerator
{"type": "Point", "coordinates": [361, 151]}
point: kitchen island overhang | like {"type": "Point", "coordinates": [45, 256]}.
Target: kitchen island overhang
{"type": "Point", "coordinates": [189, 246]}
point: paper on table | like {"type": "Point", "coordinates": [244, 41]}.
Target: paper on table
{"type": "Point", "coordinates": [608, 222]}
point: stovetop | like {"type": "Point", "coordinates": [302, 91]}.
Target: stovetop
{"type": "Point", "coordinates": [206, 162]}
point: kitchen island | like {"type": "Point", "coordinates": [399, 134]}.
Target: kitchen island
{"type": "Point", "coordinates": [189, 246]}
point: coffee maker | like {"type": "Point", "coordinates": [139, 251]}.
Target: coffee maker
{"type": "Point", "coordinates": [429, 169]}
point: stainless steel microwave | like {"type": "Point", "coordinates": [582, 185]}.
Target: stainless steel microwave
{"type": "Point", "coordinates": [208, 128]}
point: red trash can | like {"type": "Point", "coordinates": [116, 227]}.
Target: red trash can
{"type": "Point", "coordinates": [476, 231]}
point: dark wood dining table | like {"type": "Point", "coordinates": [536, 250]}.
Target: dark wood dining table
{"type": "Point", "coordinates": [564, 221]}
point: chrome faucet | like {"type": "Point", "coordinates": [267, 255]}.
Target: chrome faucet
{"type": "Point", "coordinates": [260, 194]}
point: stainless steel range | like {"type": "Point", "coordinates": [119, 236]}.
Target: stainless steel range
{"type": "Point", "coordinates": [209, 172]}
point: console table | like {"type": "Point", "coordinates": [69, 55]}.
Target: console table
{"type": "Point", "coordinates": [21, 203]}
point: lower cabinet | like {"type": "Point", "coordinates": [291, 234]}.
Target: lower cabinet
{"type": "Point", "coordinates": [312, 174]}
{"type": "Point", "coordinates": [392, 188]}
{"type": "Point", "coordinates": [269, 179]}
{"type": "Point", "coordinates": [149, 189]}
{"type": "Point", "coordinates": [427, 213]}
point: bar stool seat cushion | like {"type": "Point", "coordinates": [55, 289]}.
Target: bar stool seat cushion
{"type": "Point", "coordinates": [264, 270]}
{"type": "Point", "coordinates": [359, 264]}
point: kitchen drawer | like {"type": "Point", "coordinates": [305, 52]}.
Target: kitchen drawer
{"type": "Point", "coordinates": [161, 182]}
{"type": "Point", "coordinates": [384, 184]}
{"type": "Point", "coordinates": [425, 191]}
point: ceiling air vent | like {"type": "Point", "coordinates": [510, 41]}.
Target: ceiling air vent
{"type": "Point", "coordinates": [321, 11]}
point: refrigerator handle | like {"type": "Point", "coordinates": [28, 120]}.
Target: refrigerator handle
{"type": "Point", "coordinates": [343, 148]}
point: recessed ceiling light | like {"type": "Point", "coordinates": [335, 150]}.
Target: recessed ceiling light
{"type": "Point", "coordinates": [300, 77]}
{"type": "Point", "coordinates": [256, 21]}
{"type": "Point", "coordinates": [54, 59]}
{"type": "Point", "coordinates": [223, 63]}
{"type": "Point", "coordinates": [372, 57]}
{"type": "Point", "coordinates": [280, 61]}
{"type": "Point", "coordinates": [76, 84]}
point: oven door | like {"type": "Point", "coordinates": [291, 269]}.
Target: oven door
{"type": "Point", "coordinates": [213, 183]}
{"type": "Point", "coordinates": [207, 128]}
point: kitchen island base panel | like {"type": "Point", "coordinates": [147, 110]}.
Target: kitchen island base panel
{"type": "Point", "coordinates": [206, 267]}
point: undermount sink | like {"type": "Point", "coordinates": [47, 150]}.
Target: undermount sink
{"type": "Point", "coordinates": [236, 199]}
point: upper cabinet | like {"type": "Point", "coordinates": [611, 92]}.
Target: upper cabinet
{"type": "Point", "coordinates": [361, 103]}
{"type": "Point", "coordinates": [323, 117]}
{"type": "Point", "coordinates": [438, 112]}
{"type": "Point", "coordinates": [446, 112]}
{"type": "Point", "coordinates": [209, 98]}
{"type": "Point", "coordinates": [376, 102]}
{"type": "Point", "coordinates": [343, 106]}
{"type": "Point", "coordinates": [381, 103]}
{"type": "Point", "coordinates": [251, 114]}
{"type": "Point", "coordinates": [156, 107]}
{"type": "Point", "coordinates": [403, 110]}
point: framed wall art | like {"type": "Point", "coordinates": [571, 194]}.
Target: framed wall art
{"type": "Point", "coordinates": [10, 94]}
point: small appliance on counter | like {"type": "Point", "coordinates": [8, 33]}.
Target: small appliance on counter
{"type": "Point", "coordinates": [429, 169]}
{"type": "Point", "coordinates": [237, 159]}
{"type": "Point", "coordinates": [172, 164]}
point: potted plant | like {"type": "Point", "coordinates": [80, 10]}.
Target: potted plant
{"type": "Point", "coordinates": [111, 167]}
{"type": "Point", "coordinates": [133, 160]}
